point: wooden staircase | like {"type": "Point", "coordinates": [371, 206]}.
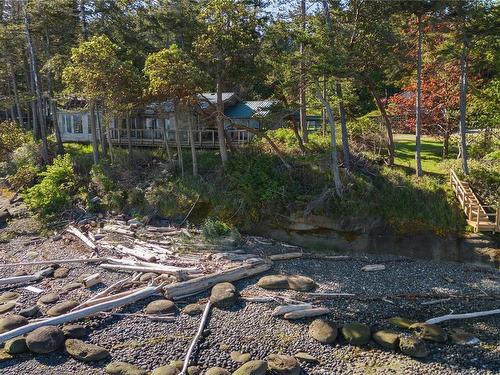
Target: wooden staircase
{"type": "Point", "coordinates": [481, 218]}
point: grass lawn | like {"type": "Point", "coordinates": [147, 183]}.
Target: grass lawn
{"type": "Point", "coordinates": [431, 152]}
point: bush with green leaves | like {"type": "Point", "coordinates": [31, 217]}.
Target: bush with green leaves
{"type": "Point", "coordinates": [55, 189]}
{"type": "Point", "coordinates": [213, 228]}
{"type": "Point", "coordinates": [12, 137]}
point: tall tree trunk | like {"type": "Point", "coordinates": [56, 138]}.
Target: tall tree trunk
{"type": "Point", "coordinates": [335, 163]}
{"type": "Point", "coordinates": [83, 21]}
{"type": "Point", "coordinates": [193, 148]}
{"type": "Point", "coordinates": [463, 106]}
{"type": "Point", "coordinates": [178, 139]}
{"type": "Point", "coordinates": [298, 137]}
{"type": "Point", "coordinates": [16, 94]}
{"type": "Point", "coordinates": [101, 132]}
{"type": "Point", "coordinates": [93, 135]}
{"type": "Point", "coordinates": [418, 104]}
{"type": "Point", "coordinates": [387, 121]}
{"type": "Point", "coordinates": [165, 140]}
{"type": "Point", "coordinates": [52, 104]}
{"type": "Point", "coordinates": [302, 82]}
{"type": "Point", "coordinates": [323, 110]}
{"type": "Point", "coordinates": [446, 143]}
{"type": "Point", "coordinates": [38, 90]}
{"type": "Point", "coordinates": [343, 126]}
{"type": "Point", "coordinates": [108, 136]}
{"type": "Point", "coordinates": [220, 124]}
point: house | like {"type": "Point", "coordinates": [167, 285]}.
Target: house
{"type": "Point", "coordinates": [154, 125]}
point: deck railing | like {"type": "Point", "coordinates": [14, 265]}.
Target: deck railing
{"type": "Point", "coordinates": [202, 138]}
{"type": "Point", "coordinates": [482, 218]}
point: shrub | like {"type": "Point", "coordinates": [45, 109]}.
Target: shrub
{"type": "Point", "coordinates": [55, 189]}
{"type": "Point", "coordinates": [11, 137]}
{"type": "Point", "coordinates": [484, 178]}
{"type": "Point", "coordinates": [24, 177]}
{"type": "Point", "coordinates": [213, 228]}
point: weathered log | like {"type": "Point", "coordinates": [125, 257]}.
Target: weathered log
{"type": "Point", "coordinates": [478, 314]}
{"type": "Point", "coordinates": [92, 280]}
{"type": "Point", "coordinates": [161, 229]}
{"type": "Point", "coordinates": [282, 310]}
{"type": "Point", "coordinates": [171, 270]}
{"type": "Point", "coordinates": [76, 232]}
{"type": "Point", "coordinates": [139, 253]}
{"type": "Point", "coordinates": [196, 338]}
{"type": "Point", "coordinates": [153, 246]}
{"type": "Point", "coordinates": [27, 278]}
{"type": "Point", "coordinates": [199, 284]}
{"type": "Point", "coordinates": [307, 313]}
{"type": "Point", "coordinates": [286, 256]}
{"type": "Point", "coordinates": [117, 229]}
{"type": "Point", "coordinates": [83, 313]}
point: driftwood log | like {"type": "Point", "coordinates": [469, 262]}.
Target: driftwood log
{"type": "Point", "coordinates": [307, 313]}
{"type": "Point", "coordinates": [138, 252]}
{"type": "Point", "coordinates": [27, 278]}
{"type": "Point", "coordinates": [83, 313]}
{"type": "Point", "coordinates": [199, 284]}
{"type": "Point", "coordinates": [478, 314]}
{"type": "Point", "coordinates": [286, 256]}
{"type": "Point", "coordinates": [54, 261]}
{"type": "Point", "coordinates": [282, 310]}
{"type": "Point", "coordinates": [76, 232]}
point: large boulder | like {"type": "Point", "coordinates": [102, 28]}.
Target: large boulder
{"type": "Point", "coordinates": [252, 368]}
{"type": "Point", "coordinates": [45, 339]}
{"type": "Point", "coordinates": [30, 312]}
{"type": "Point", "coordinates": [193, 309]}
{"type": "Point", "coordinates": [430, 332]}
{"type": "Point", "coordinates": [16, 345]}
{"type": "Point", "coordinates": [61, 272]}
{"type": "Point", "coordinates": [323, 331]}
{"type": "Point", "coordinates": [161, 306]}
{"type": "Point", "coordinates": [413, 346]}
{"type": "Point", "coordinates": [387, 338]}
{"type": "Point", "coordinates": [48, 298]}
{"type": "Point", "coordinates": [124, 368]}
{"type": "Point", "coordinates": [223, 295]}
{"type": "Point", "coordinates": [11, 322]}
{"type": "Point", "coordinates": [165, 370]}
{"type": "Point", "coordinates": [240, 357]}
{"type": "Point", "coordinates": [356, 333]}
{"type": "Point", "coordinates": [62, 308]}
{"type": "Point", "coordinates": [85, 352]}
{"type": "Point", "coordinates": [280, 364]}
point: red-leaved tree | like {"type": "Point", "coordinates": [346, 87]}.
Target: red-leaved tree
{"type": "Point", "coordinates": [440, 103]}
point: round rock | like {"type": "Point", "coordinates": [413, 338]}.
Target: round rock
{"type": "Point", "coordinates": [252, 368]}
{"type": "Point", "coordinates": [240, 357]}
{"type": "Point", "coordinates": [74, 331]}
{"type": "Point", "coordinates": [85, 352]}
{"type": "Point", "coordinates": [11, 322]}
{"type": "Point", "coordinates": [356, 333]}
{"type": "Point", "coordinates": [161, 306]}
{"type": "Point", "coordinates": [124, 368]}
{"type": "Point", "coordinates": [323, 331]}
{"type": "Point", "coordinates": [273, 282]}
{"type": "Point", "coordinates": [301, 283]}
{"type": "Point", "coordinates": [5, 307]}
{"type": "Point", "coordinates": [148, 276]}
{"type": "Point", "coordinates": [401, 322]}
{"type": "Point", "coordinates": [45, 339]}
{"type": "Point", "coordinates": [280, 364]}
{"type": "Point", "coordinates": [430, 332]}
{"type": "Point", "coordinates": [387, 338]}
{"type": "Point", "coordinates": [217, 371]}
{"type": "Point", "coordinates": [48, 298]}
{"type": "Point", "coordinates": [305, 357]}
{"type": "Point", "coordinates": [193, 309]}
{"type": "Point", "coordinates": [223, 295]}
{"type": "Point", "coordinates": [8, 296]}
{"type": "Point", "coordinates": [62, 308]}
{"type": "Point", "coordinates": [61, 272]}
{"type": "Point", "coordinates": [16, 345]}
{"type": "Point", "coordinates": [413, 346]}
{"type": "Point", "coordinates": [30, 312]}
{"type": "Point", "coordinates": [72, 286]}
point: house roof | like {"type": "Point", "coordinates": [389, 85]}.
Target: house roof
{"type": "Point", "coordinates": [249, 109]}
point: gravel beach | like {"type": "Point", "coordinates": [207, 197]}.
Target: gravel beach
{"type": "Point", "coordinates": [248, 327]}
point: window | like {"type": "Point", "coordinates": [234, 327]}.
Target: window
{"type": "Point", "coordinates": [77, 123]}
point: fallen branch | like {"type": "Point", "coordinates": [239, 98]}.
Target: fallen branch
{"type": "Point", "coordinates": [435, 301]}
{"type": "Point", "coordinates": [196, 338]}
{"type": "Point", "coordinates": [137, 252]}
{"type": "Point", "coordinates": [286, 256]}
{"type": "Point", "coordinates": [171, 270]}
{"type": "Point", "coordinates": [76, 232]}
{"type": "Point", "coordinates": [27, 278]}
{"type": "Point", "coordinates": [92, 280]}
{"type": "Point", "coordinates": [478, 314]}
{"type": "Point", "coordinates": [327, 294]}
{"type": "Point", "coordinates": [54, 261]}
{"type": "Point", "coordinates": [191, 210]}
{"type": "Point", "coordinates": [83, 313]}
{"type": "Point", "coordinates": [199, 284]}
{"type": "Point", "coordinates": [282, 310]}
{"type": "Point", "coordinates": [373, 267]}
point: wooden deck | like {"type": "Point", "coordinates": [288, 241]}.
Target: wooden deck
{"type": "Point", "coordinates": [203, 139]}
{"type": "Point", "coordinates": [482, 218]}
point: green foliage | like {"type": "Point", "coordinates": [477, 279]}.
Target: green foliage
{"type": "Point", "coordinates": [214, 228]}
{"type": "Point", "coordinates": [24, 177]}
{"type": "Point", "coordinates": [484, 106]}
{"type": "Point", "coordinates": [55, 189]}
{"type": "Point", "coordinates": [11, 138]}
{"type": "Point", "coordinates": [484, 177]}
